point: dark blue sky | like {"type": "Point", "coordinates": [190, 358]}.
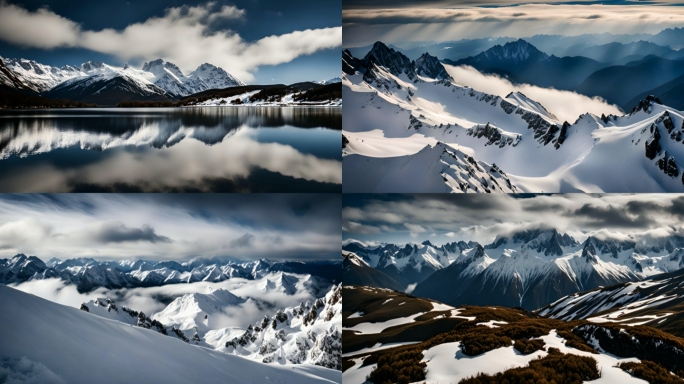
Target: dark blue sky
{"type": "Point", "coordinates": [262, 18]}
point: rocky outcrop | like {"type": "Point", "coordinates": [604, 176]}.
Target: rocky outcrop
{"type": "Point", "coordinates": [668, 165]}
{"type": "Point", "coordinates": [494, 136]}
{"type": "Point", "coordinates": [430, 66]}
{"type": "Point", "coordinates": [562, 135]}
{"type": "Point", "coordinates": [653, 147]}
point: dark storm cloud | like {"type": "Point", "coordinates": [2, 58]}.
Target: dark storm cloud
{"type": "Point", "coordinates": [243, 241]}
{"type": "Point", "coordinates": [171, 226]}
{"type": "Point", "coordinates": [443, 218]}
{"type": "Point", "coordinates": [119, 233]}
{"type": "Point", "coordinates": [610, 217]}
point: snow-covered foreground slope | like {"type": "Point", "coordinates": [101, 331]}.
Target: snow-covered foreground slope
{"type": "Point", "coordinates": [47, 342]}
{"type": "Point", "coordinates": [396, 110]}
{"type": "Point", "coordinates": [308, 333]}
{"type": "Point", "coordinates": [505, 343]}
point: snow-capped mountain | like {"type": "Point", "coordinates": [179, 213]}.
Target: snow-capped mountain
{"type": "Point", "coordinates": [10, 81]}
{"type": "Point", "coordinates": [330, 81]}
{"type": "Point", "coordinates": [106, 84]}
{"type": "Point", "coordinates": [656, 302]}
{"type": "Point", "coordinates": [88, 274]}
{"type": "Point", "coordinates": [78, 347]}
{"type": "Point", "coordinates": [356, 271]}
{"type": "Point", "coordinates": [170, 78]}
{"type": "Point", "coordinates": [196, 313]}
{"type": "Point", "coordinates": [404, 132]}
{"type": "Point", "coordinates": [309, 333]}
{"type": "Point", "coordinates": [42, 77]}
{"type": "Point", "coordinates": [528, 268]}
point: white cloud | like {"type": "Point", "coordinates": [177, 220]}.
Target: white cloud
{"type": "Point", "coordinates": [183, 35]}
{"type": "Point", "coordinates": [432, 23]}
{"type": "Point", "coordinates": [566, 105]}
{"type": "Point", "coordinates": [146, 299]}
{"type": "Point", "coordinates": [449, 234]}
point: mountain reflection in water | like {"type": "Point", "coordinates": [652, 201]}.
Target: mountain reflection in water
{"type": "Point", "coordinates": [177, 149]}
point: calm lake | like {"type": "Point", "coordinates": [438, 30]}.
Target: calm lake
{"type": "Point", "coordinates": [212, 149]}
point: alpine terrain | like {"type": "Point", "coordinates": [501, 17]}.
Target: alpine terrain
{"type": "Point", "coordinates": [410, 127]}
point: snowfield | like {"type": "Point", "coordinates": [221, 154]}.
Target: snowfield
{"type": "Point", "coordinates": [47, 342]}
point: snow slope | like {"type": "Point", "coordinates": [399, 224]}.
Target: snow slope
{"type": "Point", "coordinates": [446, 362]}
{"type": "Point", "coordinates": [539, 153]}
{"type": "Point", "coordinates": [62, 344]}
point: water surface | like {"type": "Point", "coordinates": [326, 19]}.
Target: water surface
{"type": "Point", "coordinates": [211, 149]}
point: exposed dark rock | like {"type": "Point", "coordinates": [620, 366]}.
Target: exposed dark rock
{"type": "Point", "coordinates": [653, 147]}
{"type": "Point", "coordinates": [562, 135]}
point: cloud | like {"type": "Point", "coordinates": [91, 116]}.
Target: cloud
{"type": "Point", "coordinates": [565, 105]}
{"type": "Point", "coordinates": [117, 232]}
{"type": "Point", "coordinates": [471, 19]}
{"type": "Point", "coordinates": [458, 217]}
{"type": "Point", "coordinates": [154, 299]}
{"type": "Point", "coordinates": [171, 226]}
{"type": "Point", "coordinates": [243, 241]}
{"type": "Point", "coordinates": [183, 35]}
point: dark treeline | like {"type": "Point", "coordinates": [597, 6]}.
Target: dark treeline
{"type": "Point", "coordinates": [24, 100]}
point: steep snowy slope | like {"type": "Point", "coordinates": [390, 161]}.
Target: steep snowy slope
{"type": "Point", "coordinates": [306, 334]}
{"type": "Point", "coordinates": [10, 81]}
{"type": "Point", "coordinates": [394, 118]}
{"type": "Point", "coordinates": [77, 347]}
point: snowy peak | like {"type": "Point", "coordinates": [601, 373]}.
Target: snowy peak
{"type": "Point", "coordinates": [160, 67]}
{"type": "Point", "coordinates": [395, 62]}
{"type": "Point", "coordinates": [514, 51]}
{"type": "Point", "coordinates": [430, 66]}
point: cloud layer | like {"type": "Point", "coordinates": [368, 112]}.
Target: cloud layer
{"type": "Point", "coordinates": [446, 218]}
{"type": "Point", "coordinates": [566, 105]}
{"type": "Point", "coordinates": [462, 20]}
{"type": "Point", "coordinates": [184, 35]}
{"type": "Point", "coordinates": [163, 227]}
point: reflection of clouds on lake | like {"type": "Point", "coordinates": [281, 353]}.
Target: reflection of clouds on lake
{"type": "Point", "coordinates": [186, 164]}
{"type": "Point", "coordinates": [179, 149]}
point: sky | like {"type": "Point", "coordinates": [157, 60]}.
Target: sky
{"type": "Point", "coordinates": [402, 21]}
{"type": "Point", "coordinates": [171, 226]}
{"type": "Point", "coordinates": [258, 41]}
{"type": "Point", "coordinates": [445, 218]}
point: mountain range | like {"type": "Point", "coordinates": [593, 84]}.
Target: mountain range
{"type": "Point", "coordinates": [308, 333]}
{"type": "Point", "coordinates": [408, 128]}
{"type": "Point", "coordinates": [100, 83]}
{"type": "Point", "coordinates": [530, 268]}
{"type": "Point", "coordinates": [594, 65]}
{"type": "Point", "coordinates": [89, 274]}
{"type": "Point", "coordinates": [115, 351]}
